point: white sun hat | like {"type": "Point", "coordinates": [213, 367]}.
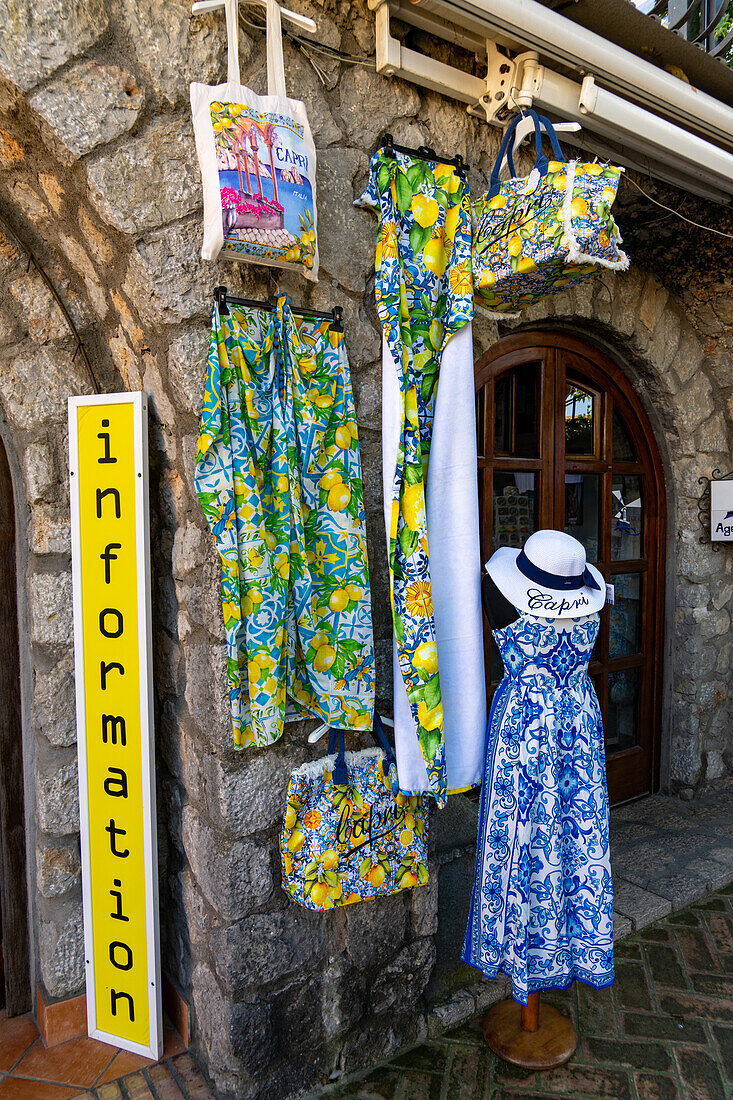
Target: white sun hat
{"type": "Point", "coordinates": [549, 576]}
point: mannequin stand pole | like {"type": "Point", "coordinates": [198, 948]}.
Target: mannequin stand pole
{"type": "Point", "coordinates": [530, 1036]}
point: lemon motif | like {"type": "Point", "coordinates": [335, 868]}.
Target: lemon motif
{"type": "Point", "coordinates": [424, 210]}
{"type": "Point", "coordinates": [412, 507]}
{"type": "Point", "coordinates": [354, 592]}
{"type": "Point", "coordinates": [426, 657]}
{"type": "Point", "coordinates": [497, 203]}
{"type": "Point", "coordinates": [330, 859]}
{"type": "Point", "coordinates": [430, 718]}
{"type": "Point", "coordinates": [339, 599]}
{"type": "Point", "coordinates": [579, 206]}
{"type": "Point", "coordinates": [526, 264]}
{"type": "Point", "coordinates": [296, 840]}
{"type": "Point", "coordinates": [435, 256]}
{"type": "Point", "coordinates": [446, 177]}
{"type": "Point", "coordinates": [329, 479]}
{"type": "Point", "coordinates": [514, 246]}
{"type": "Point", "coordinates": [451, 222]}
{"type": "Point", "coordinates": [435, 333]}
{"type": "Point", "coordinates": [339, 497]}
{"type": "Point", "coordinates": [343, 437]}
{"type": "Point", "coordinates": [324, 658]}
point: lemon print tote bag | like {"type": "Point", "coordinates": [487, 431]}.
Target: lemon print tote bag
{"type": "Point", "coordinates": [348, 835]}
{"type": "Point", "coordinates": [258, 163]}
{"type": "Point", "coordinates": [545, 232]}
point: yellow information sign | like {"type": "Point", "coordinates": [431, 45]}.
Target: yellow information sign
{"type": "Point", "coordinates": [112, 642]}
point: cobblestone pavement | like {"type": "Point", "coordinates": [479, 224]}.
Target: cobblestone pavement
{"type": "Point", "coordinates": [663, 1031]}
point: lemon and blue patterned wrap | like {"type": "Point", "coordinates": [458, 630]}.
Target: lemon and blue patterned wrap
{"type": "Point", "coordinates": [536, 235]}
{"type": "Point", "coordinates": [346, 837]}
{"type": "Point", "coordinates": [424, 295]}
{"type": "Point", "coordinates": [278, 475]}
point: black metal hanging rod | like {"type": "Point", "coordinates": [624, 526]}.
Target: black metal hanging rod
{"type": "Point", "coordinates": [424, 152]}
{"type": "Point", "coordinates": [335, 317]}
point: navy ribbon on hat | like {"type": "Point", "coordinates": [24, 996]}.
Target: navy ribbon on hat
{"type": "Point", "coordinates": [553, 580]}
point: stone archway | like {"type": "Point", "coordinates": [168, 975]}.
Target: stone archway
{"type": "Point", "coordinates": [13, 886]}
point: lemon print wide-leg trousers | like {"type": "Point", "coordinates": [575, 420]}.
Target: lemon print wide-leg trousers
{"type": "Point", "coordinates": [278, 474]}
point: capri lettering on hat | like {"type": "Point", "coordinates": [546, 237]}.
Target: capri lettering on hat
{"type": "Point", "coordinates": [547, 601]}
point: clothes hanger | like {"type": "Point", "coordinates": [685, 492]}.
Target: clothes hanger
{"type": "Point", "coordinates": [222, 298]}
{"type": "Point", "coordinates": [300, 21]}
{"type": "Point", "coordinates": [424, 152]}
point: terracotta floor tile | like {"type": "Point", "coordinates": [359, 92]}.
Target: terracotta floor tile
{"type": "Point", "coordinates": [124, 1062]}
{"type": "Point", "coordinates": [17, 1033]}
{"type": "Point", "coordinates": [13, 1088]}
{"type": "Point", "coordinates": [77, 1062]}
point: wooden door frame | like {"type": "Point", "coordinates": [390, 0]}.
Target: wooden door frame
{"type": "Point", "coordinates": [13, 883]}
{"type": "Point", "coordinates": [510, 349]}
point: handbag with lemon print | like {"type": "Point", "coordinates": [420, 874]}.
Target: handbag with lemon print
{"type": "Point", "coordinates": [348, 835]}
{"type": "Point", "coordinates": [544, 232]}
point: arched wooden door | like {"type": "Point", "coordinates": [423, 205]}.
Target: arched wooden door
{"type": "Point", "coordinates": [564, 443]}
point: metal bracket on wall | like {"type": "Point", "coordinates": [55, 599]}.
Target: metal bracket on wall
{"type": "Point", "coordinates": [634, 129]}
{"type": "Point", "coordinates": [703, 507]}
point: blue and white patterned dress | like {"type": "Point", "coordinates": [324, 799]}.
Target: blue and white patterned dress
{"type": "Point", "coordinates": [542, 903]}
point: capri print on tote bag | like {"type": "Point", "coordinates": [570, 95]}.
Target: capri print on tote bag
{"type": "Point", "coordinates": [278, 475]}
{"type": "Point", "coordinates": [266, 193]}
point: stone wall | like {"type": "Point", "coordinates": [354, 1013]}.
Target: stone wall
{"type": "Point", "coordinates": [98, 177]}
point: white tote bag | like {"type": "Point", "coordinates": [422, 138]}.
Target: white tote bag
{"type": "Point", "coordinates": [258, 163]}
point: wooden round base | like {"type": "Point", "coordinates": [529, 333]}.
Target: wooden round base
{"type": "Point", "coordinates": [552, 1044]}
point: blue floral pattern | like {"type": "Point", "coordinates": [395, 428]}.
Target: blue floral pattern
{"type": "Point", "coordinates": [542, 904]}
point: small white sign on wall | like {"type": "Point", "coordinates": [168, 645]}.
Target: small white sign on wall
{"type": "Point", "coordinates": [721, 511]}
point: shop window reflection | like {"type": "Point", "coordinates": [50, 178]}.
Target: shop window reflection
{"type": "Point", "coordinates": [626, 517]}
{"type": "Point", "coordinates": [580, 415]}
{"type": "Point", "coordinates": [581, 510]}
{"type": "Point", "coordinates": [514, 507]}
{"type": "Point", "coordinates": [621, 725]}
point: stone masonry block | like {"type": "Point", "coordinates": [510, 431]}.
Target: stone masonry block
{"type": "Point", "coordinates": [372, 941]}
{"type": "Point", "coordinates": [40, 473]}
{"type": "Point", "coordinates": [172, 49]}
{"type": "Point", "coordinates": [235, 877]}
{"type": "Point", "coordinates": [249, 794]}
{"type": "Point", "coordinates": [89, 105]}
{"type": "Point", "coordinates": [187, 360]}
{"type": "Point", "coordinates": [369, 103]}
{"type": "Point", "coordinates": [39, 36]}
{"type": "Point", "coordinates": [267, 947]}
{"type": "Point", "coordinates": [50, 607]}
{"type": "Point", "coordinates": [147, 180]}
{"type": "Point", "coordinates": [58, 869]}
{"type": "Point", "coordinates": [57, 797]}
{"type": "Point", "coordinates": [61, 951]}
{"type": "Point", "coordinates": [55, 376]}
{"type": "Point", "coordinates": [54, 705]}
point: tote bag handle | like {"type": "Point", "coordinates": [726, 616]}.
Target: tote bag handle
{"type": "Point", "coordinates": [337, 744]}
{"type": "Point", "coordinates": [275, 64]}
{"type": "Point", "coordinates": [507, 146]}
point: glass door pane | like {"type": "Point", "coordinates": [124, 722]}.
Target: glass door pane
{"type": "Point", "coordinates": [626, 517]}
{"type": "Point", "coordinates": [515, 507]}
{"type": "Point", "coordinates": [581, 510]}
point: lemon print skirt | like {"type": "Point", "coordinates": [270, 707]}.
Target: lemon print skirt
{"type": "Point", "coordinates": [278, 475]}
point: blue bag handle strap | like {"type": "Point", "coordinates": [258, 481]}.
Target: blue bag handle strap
{"type": "Point", "coordinates": [337, 744]}
{"type": "Point", "coordinates": [336, 737]}
{"type": "Point", "coordinates": [556, 149]}
{"type": "Point", "coordinates": [508, 138]}
{"type": "Point", "coordinates": [381, 738]}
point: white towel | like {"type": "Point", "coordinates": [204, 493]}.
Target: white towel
{"type": "Point", "coordinates": [455, 568]}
